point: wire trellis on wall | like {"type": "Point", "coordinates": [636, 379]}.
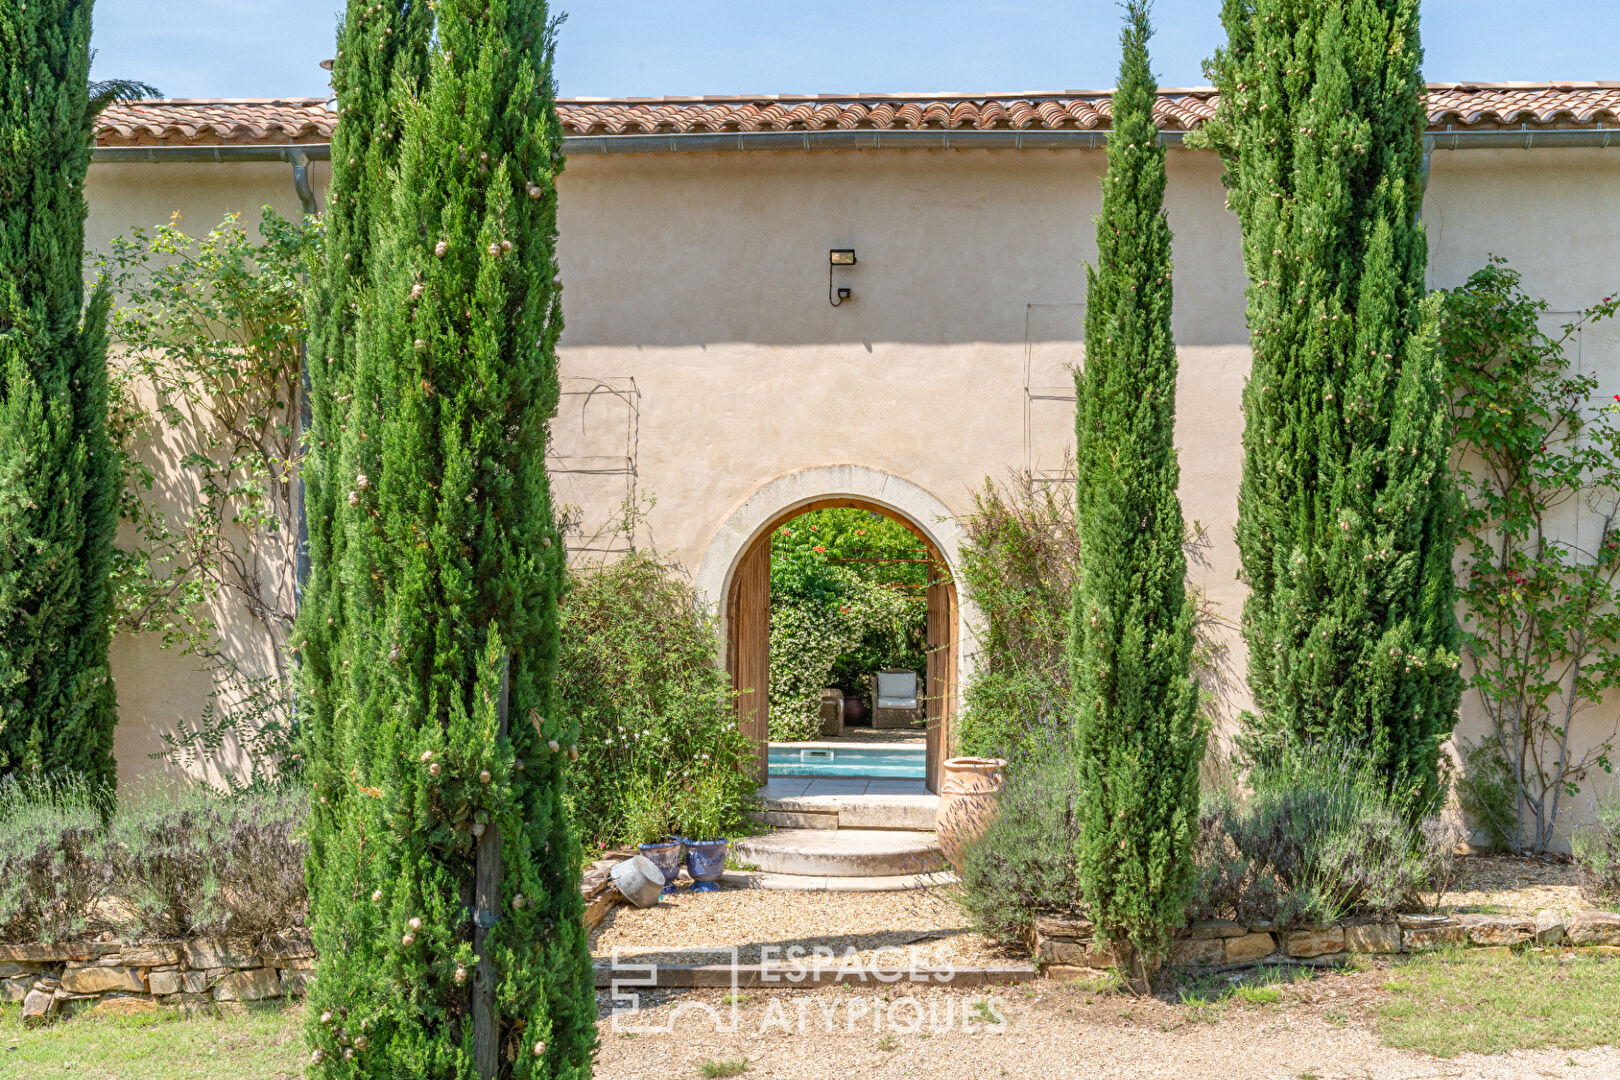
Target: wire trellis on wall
{"type": "Point", "coordinates": [1054, 343]}
{"type": "Point", "coordinates": [595, 443]}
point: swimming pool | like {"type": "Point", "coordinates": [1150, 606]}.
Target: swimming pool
{"type": "Point", "coordinates": [899, 761]}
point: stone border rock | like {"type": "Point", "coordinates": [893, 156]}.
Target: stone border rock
{"type": "Point", "coordinates": [1063, 943]}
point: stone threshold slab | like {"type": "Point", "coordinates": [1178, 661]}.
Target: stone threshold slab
{"type": "Point", "coordinates": [874, 811]}
{"type": "Point", "coordinates": [756, 879]}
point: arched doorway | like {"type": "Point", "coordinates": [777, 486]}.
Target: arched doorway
{"type": "Point", "coordinates": [736, 574]}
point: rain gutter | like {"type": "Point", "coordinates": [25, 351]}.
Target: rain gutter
{"type": "Point", "coordinates": [300, 154]}
{"type": "Point", "coordinates": [1525, 138]}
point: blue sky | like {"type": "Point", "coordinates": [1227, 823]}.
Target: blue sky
{"type": "Point", "coordinates": [613, 48]}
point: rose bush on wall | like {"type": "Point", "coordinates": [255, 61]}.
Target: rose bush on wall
{"type": "Point", "coordinates": [848, 596]}
{"type": "Point", "coordinates": [209, 329]}
{"type": "Point", "coordinates": [1538, 467]}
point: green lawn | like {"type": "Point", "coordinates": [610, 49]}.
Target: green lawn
{"type": "Point", "coordinates": [1491, 1002]}
{"type": "Point", "coordinates": [262, 1043]}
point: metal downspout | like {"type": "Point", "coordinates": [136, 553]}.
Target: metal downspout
{"type": "Point", "coordinates": [306, 195]}
{"type": "Point", "coordinates": [1423, 175]}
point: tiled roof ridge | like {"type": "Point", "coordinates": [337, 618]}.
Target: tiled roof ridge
{"type": "Point", "coordinates": [267, 121]}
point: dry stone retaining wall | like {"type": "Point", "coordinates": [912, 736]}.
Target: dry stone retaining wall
{"type": "Point", "coordinates": [111, 976]}
{"type": "Point", "coordinates": [120, 977]}
{"type": "Point", "coordinates": [1064, 943]}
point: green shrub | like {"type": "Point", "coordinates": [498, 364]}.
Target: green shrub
{"type": "Point", "coordinates": [1488, 796]}
{"type": "Point", "coordinates": [1596, 847]}
{"type": "Point", "coordinates": [1319, 837]}
{"type": "Point", "coordinates": [647, 809]}
{"type": "Point", "coordinates": [638, 672]}
{"type": "Point", "coordinates": [1018, 568]}
{"type": "Point", "coordinates": [1025, 862]}
{"type": "Point", "coordinates": [703, 810]}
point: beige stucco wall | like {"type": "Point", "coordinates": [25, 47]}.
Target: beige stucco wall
{"type": "Point", "coordinates": [702, 360]}
{"type": "Point", "coordinates": [157, 688]}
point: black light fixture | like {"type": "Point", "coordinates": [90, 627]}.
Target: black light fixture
{"type": "Point", "coordinates": [838, 257]}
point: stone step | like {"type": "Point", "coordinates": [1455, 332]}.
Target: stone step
{"type": "Point", "coordinates": [842, 853]}
{"type": "Point", "coordinates": [909, 813]}
{"type": "Point", "coordinates": [753, 879]}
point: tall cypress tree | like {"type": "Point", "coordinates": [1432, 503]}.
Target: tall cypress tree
{"type": "Point", "coordinates": [382, 53]}
{"type": "Point", "coordinates": [1345, 514]}
{"type": "Point", "coordinates": [1131, 635]}
{"type": "Point", "coordinates": [59, 478]}
{"type": "Point", "coordinates": [450, 560]}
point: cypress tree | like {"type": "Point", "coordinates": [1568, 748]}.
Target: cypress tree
{"type": "Point", "coordinates": [59, 478]}
{"type": "Point", "coordinates": [381, 59]}
{"type": "Point", "coordinates": [1346, 514]}
{"type": "Point", "coordinates": [1140, 739]}
{"type": "Point", "coordinates": [450, 560]}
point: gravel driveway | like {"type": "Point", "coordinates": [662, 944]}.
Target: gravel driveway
{"type": "Point", "coordinates": [1322, 1030]}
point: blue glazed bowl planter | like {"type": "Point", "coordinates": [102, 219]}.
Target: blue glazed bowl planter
{"type": "Point", "coordinates": [706, 861]}
{"type": "Point", "coordinates": [666, 855]}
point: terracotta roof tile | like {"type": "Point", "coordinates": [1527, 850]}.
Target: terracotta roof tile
{"type": "Point", "coordinates": [182, 122]}
{"type": "Point", "coordinates": [311, 120]}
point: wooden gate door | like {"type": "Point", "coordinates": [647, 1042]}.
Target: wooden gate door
{"type": "Point", "coordinates": [940, 702]}
{"type": "Point", "coordinates": [750, 652]}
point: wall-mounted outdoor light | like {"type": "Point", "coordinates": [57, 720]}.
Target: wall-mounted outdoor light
{"type": "Point", "coordinates": [838, 257]}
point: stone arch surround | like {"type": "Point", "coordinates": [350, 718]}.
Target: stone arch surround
{"type": "Point", "coordinates": [803, 487]}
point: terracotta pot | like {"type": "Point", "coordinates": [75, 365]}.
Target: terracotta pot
{"type": "Point", "coordinates": [854, 710]}
{"type": "Point", "coordinates": [969, 788]}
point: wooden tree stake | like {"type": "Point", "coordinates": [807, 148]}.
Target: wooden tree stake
{"type": "Point", "coordinates": [486, 908]}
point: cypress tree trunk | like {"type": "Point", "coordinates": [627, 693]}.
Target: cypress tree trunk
{"type": "Point", "coordinates": [58, 477]}
{"type": "Point", "coordinates": [1346, 513]}
{"type": "Point", "coordinates": [449, 561]}
{"type": "Point", "coordinates": [1131, 635]}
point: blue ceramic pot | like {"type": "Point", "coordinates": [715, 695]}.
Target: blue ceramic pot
{"type": "Point", "coordinates": [666, 855]}
{"type": "Point", "coordinates": [705, 861]}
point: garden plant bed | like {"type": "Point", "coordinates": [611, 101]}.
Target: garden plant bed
{"type": "Point", "coordinates": [1514, 885]}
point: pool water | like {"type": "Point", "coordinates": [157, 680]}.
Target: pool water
{"type": "Point", "coordinates": [899, 761]}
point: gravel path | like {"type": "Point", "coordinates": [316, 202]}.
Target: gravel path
{"type": "Point", "coordinates": [1052, 1031]}
{"type": "Point", "coordinates": [925, 925]}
